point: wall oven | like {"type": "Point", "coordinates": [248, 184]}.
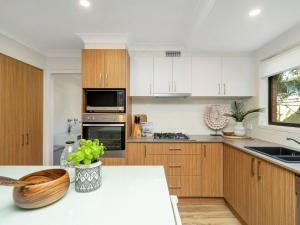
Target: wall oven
{"type": "Point", "coordinates": [105, 100]}
{"type": "Point", "coordinates": [109, 129]}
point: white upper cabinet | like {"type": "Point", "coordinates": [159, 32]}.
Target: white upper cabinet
{"type": "Point", "coordinates": [182, 75]}
{"type": "Point", "coordinates": [227, 76]}
{"type": "Point", "coordinates": [206, 76]}
{"type": "Point", "coordinates": [238, 76]}
{"type": "Point", "coordinates": [163, 77]}
{"type": "Point", "coordinates": [141, 76]}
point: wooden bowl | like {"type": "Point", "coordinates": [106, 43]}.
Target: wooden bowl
{"type": "Point", "coordinates": [228, 133]}
{"type": "Point", "coordinates": [51, 185]}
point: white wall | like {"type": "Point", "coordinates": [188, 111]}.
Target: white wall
{"type": "Point", "coordinates": [262, 130]}
{"type": "Point", "coordinates": [67, 100]}
{"type": "Point", "coordinates": [176, 114]}
{"type": "Point", "coordinates": [18, 51]}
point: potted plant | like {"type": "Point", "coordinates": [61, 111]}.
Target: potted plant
{"type": "Point", "coordinates": [87, 164]}
{"type": "Point", "coordinates": [239, 114]}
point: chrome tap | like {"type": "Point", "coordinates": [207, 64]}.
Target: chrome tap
{"type": "Point", "coordinates": [292, 139]}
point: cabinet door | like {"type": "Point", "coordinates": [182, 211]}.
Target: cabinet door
{"type": "Point", "coordinates": [276, 195]}
{"type": "Point", "coordinates": [182, 75]}
{"type": "Point", "coordinates": [212, 170]}
{"type": "Point", "coordinates": [11, 112]}
{"type": "Point", "coordinates": [33, 114]}
{"type": "Point", "coordinates": [93, 74]}
{"type": "Point", "coordinates": [239, 183]}
{"type": "Point", "coordinates": [136, 153]}
{"type": "Point", "coordinates": [238, 76]}
{"type": "Point", "coordinates": [162, 75]}
{"type": "Point", "coordinates": [206, 76]}
{"type": "Point", "coordinates": [141, 76]}
{"type": "Point", "coordinates": [115, 68]}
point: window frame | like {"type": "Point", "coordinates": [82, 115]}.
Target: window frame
{"type": "Point", "coordinates": [270, 108]}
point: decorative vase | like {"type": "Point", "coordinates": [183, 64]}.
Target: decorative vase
{"type": "Point", "coordinates": [88, 177]}
{"type": "Point", "coordinates": [239, 129]}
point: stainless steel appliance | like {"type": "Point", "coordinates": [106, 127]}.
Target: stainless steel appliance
{"type": "Point", "coordinates": [109, 129]}
{"type": "Point", "coordinates": [105, 100]}
{"type": "Point", "coordinates": [172, 136]}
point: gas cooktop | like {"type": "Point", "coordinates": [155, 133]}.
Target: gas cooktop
{"type": "Point", "coordinates": [167, 136]}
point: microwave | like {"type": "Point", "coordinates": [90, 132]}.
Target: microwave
{"type": "Point", "coordinates": [105, 100]}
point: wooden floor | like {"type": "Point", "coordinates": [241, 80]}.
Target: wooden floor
{"type": "Point", "coordinates": [207, 215]}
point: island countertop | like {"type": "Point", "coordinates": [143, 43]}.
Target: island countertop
{"type": "Point", "coordinates": [129, 195]}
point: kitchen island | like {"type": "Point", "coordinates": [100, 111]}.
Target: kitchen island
{"type": "Point", "coordinates": [132, 195]}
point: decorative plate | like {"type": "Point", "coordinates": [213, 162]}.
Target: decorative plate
{"type": "Point", "coordinates": [214, 117]}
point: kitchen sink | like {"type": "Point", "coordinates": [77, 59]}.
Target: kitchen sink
{"type": "Point", "coordinates": [280, 153]}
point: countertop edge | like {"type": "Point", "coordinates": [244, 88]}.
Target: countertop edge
{"type": "Point", "coordinates": [238, 144]}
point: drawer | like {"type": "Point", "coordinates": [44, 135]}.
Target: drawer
{"type": "Point", "coordinates": [184, 186]}
{"type": "Point", "coordinates": [177, 165]}
{"type": "Point", "coordinates": [173, 149]}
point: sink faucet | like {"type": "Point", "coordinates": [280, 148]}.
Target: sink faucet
{"type": "Point", "coordinates": [292, 139]}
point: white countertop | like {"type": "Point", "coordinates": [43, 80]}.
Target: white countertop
{"type": "Point", "coordinates": [129, 195]}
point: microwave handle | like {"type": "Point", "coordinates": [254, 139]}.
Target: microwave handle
{"type": "Point", "coordinates": [102, 125]}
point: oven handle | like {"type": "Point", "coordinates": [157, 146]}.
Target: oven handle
{"type": "Point", "coordinates": [103, 125]}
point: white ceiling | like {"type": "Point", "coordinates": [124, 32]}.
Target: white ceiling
{"type": "Point", "coordinates": [198, 25]}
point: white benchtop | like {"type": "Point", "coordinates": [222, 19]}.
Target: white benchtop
{"type": "Point", "coordinates": [129, 195]}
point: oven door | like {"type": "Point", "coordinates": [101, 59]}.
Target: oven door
{"type": "Point", "coordinates": [112, 135]}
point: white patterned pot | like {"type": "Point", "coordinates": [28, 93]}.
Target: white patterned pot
{"type": "Point", "coordinates": [88, 177]}
{"type": "Point", "coordinates": [239, 129]}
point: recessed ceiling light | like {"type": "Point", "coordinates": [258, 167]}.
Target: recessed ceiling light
{"type": "Point", "coordinates": [85, 3]}
{"type": "Point", "coordinates": [254, 12]}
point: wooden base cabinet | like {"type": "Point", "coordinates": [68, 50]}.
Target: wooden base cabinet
{"type": "Point", "coordinates": [260, 192]}
{"type": "Point", "coordinates": [21, 113]}
{"type": "Point", "coordinates": [192, 169]}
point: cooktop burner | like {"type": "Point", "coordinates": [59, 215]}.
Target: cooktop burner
{"type": "Point", "coordinates": [177, 136]}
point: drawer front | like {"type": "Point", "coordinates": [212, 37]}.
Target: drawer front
{"type": "Point", "coordinates": [177, 165]}
{"type": "Point", "coordinates": [173, 149]}
{"type": "Point", "coordinates": [184, 186]}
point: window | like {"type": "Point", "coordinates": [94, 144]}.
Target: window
{"type": "Point", "coordinates": [284, 98]}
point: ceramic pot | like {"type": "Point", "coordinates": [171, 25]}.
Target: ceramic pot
{"type": "Point", "coordinates": [239, 129]}
{"type": "Point", "coordinates": [88, 177]}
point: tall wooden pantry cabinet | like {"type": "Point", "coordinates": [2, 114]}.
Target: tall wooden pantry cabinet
{"type": "Point", "coordinates": [21, 113]}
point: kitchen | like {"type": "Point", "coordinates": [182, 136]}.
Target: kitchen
{"type": "Point", "coordinates": [158, 82]}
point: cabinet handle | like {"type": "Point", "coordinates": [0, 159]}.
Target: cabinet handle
{"type": "Point", "coordinates": [145, 150]}
{"type": "Point", "coordinates": [23, 139]}
{"type": "Point", "coordinates": [174, 166]}
{"type": "Point", "coordinates": [27, 139]}
{"type": "Point", "coordinates": [258, 170]}
{"type": "Point", "coordinates": [219, 85]}
{"type": "Point", "coordinates": [174, 149]}
{"type": "Point", "coordinates": [174, 86]}
{"type": "Point", "coordinates": [169, 86]}
{"type": "Point", "coordinates": [204, 151]}
{"type": "Point", "coordinates": [150, 91]}
{"type": "Point", "coordinates": [100, 79]}
{"type": "Point", "coordinates": [252, 167]}
{"type": "Point", "coordinates": [174, 187]}
{"type": "Point", "coordinates": [224, 85]}
{"type": "Point", "coordinates": [105, 83]}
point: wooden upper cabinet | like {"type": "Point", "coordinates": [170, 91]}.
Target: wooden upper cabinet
{"type": "Point", "coordinates": [104, 68]}
{"type": "Point", "coordinates": [115, 68]}
{"type": "Point", "coordinates": [93, 68]}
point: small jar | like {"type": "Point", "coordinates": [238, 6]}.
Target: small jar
{"type": "Point", "coordinates": [64, 164]}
